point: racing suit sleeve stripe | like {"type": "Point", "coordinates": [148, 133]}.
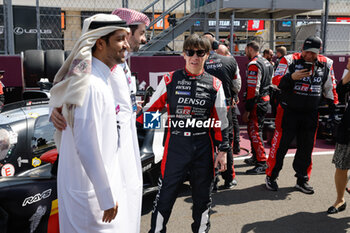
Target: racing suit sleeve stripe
{"type": "Point", "coordinates": [329, 87]}
{"type": "Point", "coordinates": [281, 70]}
{"type": "Point", "coordinates": [253, 85]}
{"type": "Point", "coordinates": [157, 102]}
{"type": "Point", "coordinates": [219, 113]}
{"type": "Point", "coordinates": [253, 81]}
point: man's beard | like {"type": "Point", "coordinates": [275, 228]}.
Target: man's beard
{"type": "Point", "coordinates": [120, 60]}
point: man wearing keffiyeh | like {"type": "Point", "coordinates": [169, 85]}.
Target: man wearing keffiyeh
{"type": "Point", "coordinates": [124, 87]}
{"type": "Point", "coordinates": [89, 176]}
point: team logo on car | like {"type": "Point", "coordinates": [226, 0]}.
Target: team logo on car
{"type": "Point", "coordinates": [37, 197]}
{"type": "Point", "coordinates": [36, 162]}
{"type": "Point", "coordinates": [151, 120]}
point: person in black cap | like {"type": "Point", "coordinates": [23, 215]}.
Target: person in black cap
{"type": "Point", "coordinates": [303, 78]}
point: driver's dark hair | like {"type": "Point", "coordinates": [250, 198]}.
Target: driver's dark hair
{"type": "Point", "coordinates": [254, 45]}
{"type": "Point", "coordinates": [195, 41]}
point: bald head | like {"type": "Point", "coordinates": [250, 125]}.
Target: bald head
{"type": "Point", "coordinates": [223, 50]}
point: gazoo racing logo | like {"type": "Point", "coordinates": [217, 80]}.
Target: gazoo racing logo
{"type": "Point", "coordinates": [37, 197]}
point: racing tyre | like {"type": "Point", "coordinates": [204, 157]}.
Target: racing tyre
{"type": "Point", "coordinates": [33, 65]}
{"type": "Point", "coordinates": [54, 59]}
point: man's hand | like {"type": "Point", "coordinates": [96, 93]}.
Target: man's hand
{"type": "Point", "coordinates": [221, 160]}
{"type": "Point", "coordinates": [139, 106]}
{"type": "Point", "coordinates": [245, 117]}
{"type": "Point", "coordinates": [300, 74]}
{"type": "Point", "coordinates": [235, 103]}
{"type": "Point", "coordinates": [110, 214]}
{"type": "Point", "coordinates": [57, 119]}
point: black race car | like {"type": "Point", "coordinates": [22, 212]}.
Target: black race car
{"type": "Point", "coordinates": [28, 194]}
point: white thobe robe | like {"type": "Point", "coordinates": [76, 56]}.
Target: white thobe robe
{"type": "Point", "coordinates": [128, 151]}
{"type": "Point", "coordinates": [89, 178]}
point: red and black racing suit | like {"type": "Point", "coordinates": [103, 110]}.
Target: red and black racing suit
{"type": "Point", "coordinates": [297, 114]}
{"type": "Point", "coordinates": [226, 69]}
{"type": "Point", "coordinates": [196, 98]}
{"type": "Point", "coordinates": [259, 75]}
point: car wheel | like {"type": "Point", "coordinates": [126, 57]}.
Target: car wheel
{"type": "Point", "coordinates": [33, 65]}
{"type": "Point", "coordinates": [54, 59]}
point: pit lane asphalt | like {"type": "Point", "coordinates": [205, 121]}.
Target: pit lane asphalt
{"type": "Point", "coordinates": [250, 207]}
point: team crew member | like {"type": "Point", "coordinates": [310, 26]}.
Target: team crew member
{"type": "Point", "coordinates": [259, 74]}
{"type": "Point", "coordinates": [190, 95]}
{"type": "Point", "coordinates": [88, 180]}
{"type": "Point", "coordinates": [280, 53]}
{"type": "Point", "coordinates": [303, 78]}
{"type": "Point", "coordinates": [226, 69]}
{"type": "Point", "coordinates": [268, 55]}
{"type": "Point", "coordinates": [224, 51]}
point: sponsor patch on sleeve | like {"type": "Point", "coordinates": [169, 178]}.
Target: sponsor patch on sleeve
{"type": "Point", "coordinates": [280, 70]}
{"type": "Point", "coordinates": [252, 73]}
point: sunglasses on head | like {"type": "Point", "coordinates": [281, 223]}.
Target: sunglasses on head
{"type": "Point", "coordinates": [191, 52]}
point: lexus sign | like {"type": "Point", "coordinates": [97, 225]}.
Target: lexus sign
{"type": "Point", "coordinates": [20, 31]}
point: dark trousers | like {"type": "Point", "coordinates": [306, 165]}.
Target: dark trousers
{"type": "Point", "coordinates": [290, 124]}
{"type": "Point", "coordinates": [229, 174]}
{"type": "Point", "coordinates": [183, 155]}
{"type": "Point", "coordinates": [235, 125]}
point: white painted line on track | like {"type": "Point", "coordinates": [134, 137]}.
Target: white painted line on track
{"type": "Point", "coordinates": [291, 155]}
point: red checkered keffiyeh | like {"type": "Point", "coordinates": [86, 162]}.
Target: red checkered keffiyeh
{"type": "Point", "coordinates": [131, 17]}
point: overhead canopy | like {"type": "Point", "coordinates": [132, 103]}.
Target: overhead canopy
{"type": "Point", "coordinates": [262, 8]}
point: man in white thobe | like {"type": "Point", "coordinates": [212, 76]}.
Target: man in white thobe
{"type": "Point", "coordinates": [90, 186]}
{"type": "Point", "coordinates": [124, 87]}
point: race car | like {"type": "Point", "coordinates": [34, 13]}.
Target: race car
{"type": "Point", "coordinates": [28, 193]}
{"type": "Point", "coordinates": [25, 134]}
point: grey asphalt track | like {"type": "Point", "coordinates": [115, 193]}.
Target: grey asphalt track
{"type": "Point", "coordinates": [250, 207]}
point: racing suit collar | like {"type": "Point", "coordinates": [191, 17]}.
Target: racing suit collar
{"type": "Point", "coordinates": [192, 76]}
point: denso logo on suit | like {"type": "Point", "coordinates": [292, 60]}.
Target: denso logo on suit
{"type": "Point", "coordinates": [192, 101]}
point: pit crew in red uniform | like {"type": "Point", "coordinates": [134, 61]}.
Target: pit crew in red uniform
{"type": "Point", "coordinates": [303, 79]}
{"type": "Point", "coordinates": [259, 74]}
{"type": "Point", "coordinates": [190, 95]}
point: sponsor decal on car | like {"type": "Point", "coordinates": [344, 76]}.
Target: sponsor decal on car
{"type": "Point", "coordinates": [13, 137]}
{"type": "Point", "coordinates": [53, 225]}
{"type": "Point", "coordinates": [20, 161]}
{"type": "Point", "coordinates": [37, 197]}
{"type": "Point", "coordinates": [36, 218]}
{"type": "Point", "coordinates": [33, 115]}
{"type": "Point", "coordinates": [36, 162]}
{"type": "Point", "coordinates": [8, 170]}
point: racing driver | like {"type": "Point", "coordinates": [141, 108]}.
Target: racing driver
{"type": "Point", "coordinates": [192, 98]}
